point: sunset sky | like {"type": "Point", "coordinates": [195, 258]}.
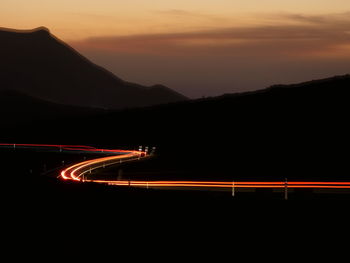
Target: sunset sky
{"type": "Point", "coordinates": [199, 48]}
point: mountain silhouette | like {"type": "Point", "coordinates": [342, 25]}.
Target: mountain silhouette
{"type": "Point", "coordinates": [37, 63]}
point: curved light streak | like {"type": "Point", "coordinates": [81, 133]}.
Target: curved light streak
{"type": "Point", "coordinates": [77, 171]}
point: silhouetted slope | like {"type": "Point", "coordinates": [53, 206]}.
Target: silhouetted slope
{"type": "Point", "coordinates": [37, 63]}
{"type": "Point", "coordinates": [285, 131]}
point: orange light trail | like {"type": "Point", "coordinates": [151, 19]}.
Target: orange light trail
{"type": "Point", "coordinates": [334, 185]}
{"type": "Point", "coordinates": [77, 171]}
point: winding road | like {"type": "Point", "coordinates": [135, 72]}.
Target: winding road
{"type": "Point", "coordinates": [78, 171]}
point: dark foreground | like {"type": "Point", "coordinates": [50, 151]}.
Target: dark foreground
{"type": "Point", "coordinates": [72, 217]}
{"type": "Point", "coordinates": [31, 176]}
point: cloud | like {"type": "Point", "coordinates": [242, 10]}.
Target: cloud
{"type": "Point", "coordinates": [180, 13]}
{"type": "Point", "coordinates": [175, 12]}
{"type": "Point", "coordinates": [312, 36]}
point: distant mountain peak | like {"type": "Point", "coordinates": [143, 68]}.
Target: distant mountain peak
{"type": "Point", "coordinates": [40, 29]}
{"type": "Point", "coordinates": [39, 64]}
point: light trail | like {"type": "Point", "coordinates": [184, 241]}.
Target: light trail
{"type": "Point", "coordinates": [77, 171]}
{"type": "Point", "coordinates": [64, 147]}
{"type": "Point", "coordinates": [333, 185]}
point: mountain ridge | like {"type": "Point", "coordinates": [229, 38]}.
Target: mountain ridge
{"type": "Point", "coordinates": [13, 108]}
{"type": "Point", "coordinates": [41, 65]}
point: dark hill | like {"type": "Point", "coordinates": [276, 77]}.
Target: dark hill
{"type": "Point", "coordinates": [37, 63]}
{"type": "Point", "coordinates": [296, 131]}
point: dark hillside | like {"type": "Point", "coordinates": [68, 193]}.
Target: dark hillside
{"type": "Point", "coordinates": [297, 131]}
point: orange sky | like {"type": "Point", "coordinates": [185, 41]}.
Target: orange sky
{"type": "Point", "coordinates": [205, 47]}
{"type": "Point", "coordinates": [74, 19]}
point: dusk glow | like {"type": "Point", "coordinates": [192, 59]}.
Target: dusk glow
{"type": "Point", "coordinates": [205, 48]}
